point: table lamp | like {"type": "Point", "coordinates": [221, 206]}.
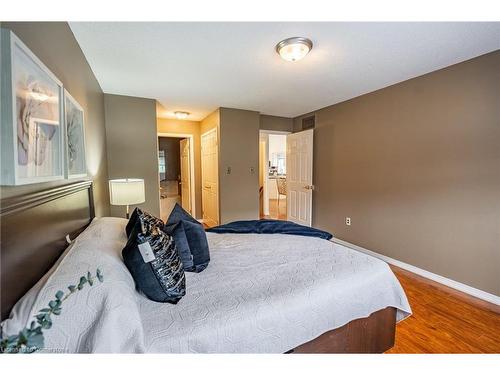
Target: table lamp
{"type": "Point", "coordinates": [126, 191]}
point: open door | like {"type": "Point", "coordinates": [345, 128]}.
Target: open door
{"type": "Point", "coordinates": [185, 176]}
{"type": "Point", "coordinates": [299, 159]}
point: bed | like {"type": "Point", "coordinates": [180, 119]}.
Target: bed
{"type": "Point", "coordinates": [260, 294]}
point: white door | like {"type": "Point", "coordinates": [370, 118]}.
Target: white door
{"type": "Point", "coordinates": [299, 165]}
{"type": "Point", "coordinates": [210, 178]}
{"type": "Point", "coordinates": [185, 176]}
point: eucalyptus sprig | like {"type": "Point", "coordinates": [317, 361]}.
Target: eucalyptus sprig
{"type": "Point", "coordinates": [30, 339]}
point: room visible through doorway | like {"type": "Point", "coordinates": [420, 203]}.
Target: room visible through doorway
{"type": "Point", "coordinates": [176, 173]}
{"type": "Point", "coordinates": [272, 175]}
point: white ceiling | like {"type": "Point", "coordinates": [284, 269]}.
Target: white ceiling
{"type": "Point", "coordinates": [197, 67]}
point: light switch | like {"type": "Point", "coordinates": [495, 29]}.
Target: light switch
{"type": "Point", "coordinates": [252, 170]}
{"type": "Point", "coordinates": [228, 170]}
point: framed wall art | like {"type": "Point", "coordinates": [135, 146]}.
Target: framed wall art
{"type": "Point", "coordinates": [31, 117]}
{"type": "Point", "coordinates": [76, 165]}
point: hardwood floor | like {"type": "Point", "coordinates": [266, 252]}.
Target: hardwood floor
{"type": "Point", "coordinates": [273, 210]}
{"type": "Point", "coordinates": [445, 320]}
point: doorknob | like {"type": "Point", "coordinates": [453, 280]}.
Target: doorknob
{"type": "Point", "coordinates": [309, 187]}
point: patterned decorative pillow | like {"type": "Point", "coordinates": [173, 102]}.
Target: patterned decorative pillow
{"type": "Point", "coordinates": [153, 220]}
{"type": "Point", "coordinates": [153, 260]}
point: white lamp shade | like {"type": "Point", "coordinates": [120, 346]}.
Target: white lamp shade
{"type": "Point", "coordinates": [126, 191]}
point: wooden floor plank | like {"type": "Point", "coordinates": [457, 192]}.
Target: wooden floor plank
{"type": "Point", "coordinates": [445, 320]}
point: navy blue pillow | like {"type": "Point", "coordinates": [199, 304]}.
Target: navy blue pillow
{"type": "Point", "coordinates": [190, 239]}
{"type": "Point", "coordinates": [157, 270]}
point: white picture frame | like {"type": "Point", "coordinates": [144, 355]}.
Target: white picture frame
{"type": "Point", "coordinates": [32, 142]}
{"type": "Point", "coordinates": [74, 130]}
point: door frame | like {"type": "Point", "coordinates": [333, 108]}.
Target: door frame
{"type": "Point", "coordinates": [217, 133]}
{"type": "Point", "coordinates": [191, 164]}
{"type": "Point", "coordinates": [265, 182]}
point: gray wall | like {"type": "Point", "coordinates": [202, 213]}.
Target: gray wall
{"type": "Point", "coordinates": [417, 168]}
{"type": "Point", "coordinates": [239, 149]}
{"type": "Point", "coordinates": [55, 45]}
{"type": "Point", "coordinates": [276, 123]}
{"type": "Point", "coordinates": [132, 146]}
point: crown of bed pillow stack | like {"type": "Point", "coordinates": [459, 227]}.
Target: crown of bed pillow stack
{"type": "Point", "coordinates": [177, 246]}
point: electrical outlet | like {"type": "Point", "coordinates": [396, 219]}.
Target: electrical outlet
{"type": "Point", "coordinates": [252, 170]}
{"type": "Point", "coordinates": [228, 170]}
{"type": "Point", "coordinates": [347, 221]}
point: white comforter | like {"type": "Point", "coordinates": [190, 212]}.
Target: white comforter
{"type": "Point", "coordinates": [259, 294]}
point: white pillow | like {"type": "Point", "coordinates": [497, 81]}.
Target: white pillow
{"type": "Point", "coordinates": [19, 316]}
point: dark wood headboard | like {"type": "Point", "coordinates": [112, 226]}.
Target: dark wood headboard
{"type": "Point", "coordinates": [33, 231]}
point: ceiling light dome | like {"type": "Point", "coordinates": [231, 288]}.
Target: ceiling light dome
{"type": "Point", "coordinates": [294, 49]}
{"type": "Point", "coordinates": [181, 115]}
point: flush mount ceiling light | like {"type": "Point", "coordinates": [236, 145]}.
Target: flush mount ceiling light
{"type": "Point", "coordinates": [294, 49]}
{"type": "Point", "coordinates": [181, 115]}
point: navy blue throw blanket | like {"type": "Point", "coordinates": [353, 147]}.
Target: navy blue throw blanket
{"type": "Point", "coordinates": [270, 227]}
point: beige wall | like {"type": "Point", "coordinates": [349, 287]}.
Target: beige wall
{"type": "Point", "coordinates": [276, 123]}
{"type": "Point", "coordinates": [55, 45]}
{"type": "Point", "coordinates": [132, 146]}
{"type": "Point", "coordinates": [210, 122]}
{"type": "Point", "coordinates": [417, 168]}
{"type": "Point", "coordinates": [192, 128]}
{"type": "Point", "coordinates": [239, 150]}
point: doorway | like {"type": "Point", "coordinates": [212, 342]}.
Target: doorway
{"type": "Point", "coordinates": [272, 175]}
{"type": "Point", "coordinates": [176, 173]}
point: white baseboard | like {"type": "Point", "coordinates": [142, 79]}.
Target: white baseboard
{"type": "Point", "coordinates": [429, 275]}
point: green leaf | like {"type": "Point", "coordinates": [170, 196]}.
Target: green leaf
{"type": "Point", "coordinates": [91, 282]}
{"type": "Point", "coordinates": [52, 304]}
{"type": "Point", "coordinates": [57, 311]}
{"type": "Point", "coordinates": [47, 324]}
{"type": "Point", "coordinates": [59, 294]}
{"type": "Point", "coordinates": [35, 342]}
{"type": "Point", "coordinates": [13, 338]}
{"type": "Point", "coordinates": [72, 288]}
{"type": "Point", "coordinates": [45, 310]}
{"type": "Point", "coordinates": [40, 317]}
{"type": "Point", "coordinates": [99, 275]}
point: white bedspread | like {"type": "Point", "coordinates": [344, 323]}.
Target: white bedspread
{"type": "Point", "coordinates": [259, 294]}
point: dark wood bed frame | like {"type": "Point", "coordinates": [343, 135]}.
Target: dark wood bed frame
{"type": "Point", "coordinates": [33, 231]}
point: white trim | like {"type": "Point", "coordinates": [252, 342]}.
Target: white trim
{"type": "Point", "coordinates": [192, 161]}
{"type": "Point", "coordinates": [275, 132]}
{"type": "Point", "coordinates": [264, 137]}
{"type": "Point", "coordinates": [478, 293]}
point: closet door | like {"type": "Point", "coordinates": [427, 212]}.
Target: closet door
{"type": "Point", "coordinates": [210, 177]}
